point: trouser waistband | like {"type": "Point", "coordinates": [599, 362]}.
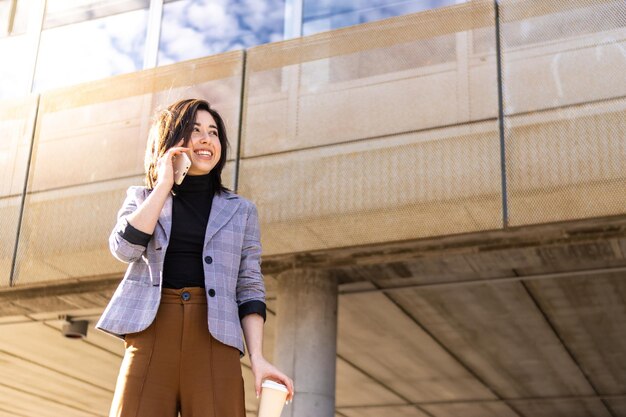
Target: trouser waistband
{"type": "Point", "coordinates": [188, 295]}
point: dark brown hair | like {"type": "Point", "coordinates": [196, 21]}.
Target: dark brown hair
{"type": "Point", "coordinates": [176, 123]}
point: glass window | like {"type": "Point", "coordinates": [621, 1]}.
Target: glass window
{"type": "Point", "coordinates": [17, 45]}
{"type": "Point", "coordinates": [63, 12]}
{"type": "Point", "coordinates": [5, 17]}
{"type": "Point", "coordinates": [13, 77]}
{"type": "Point", "coordinates": [92, 49]}
{"type": "Point", "coordinates": [322, 15]}
{"type": "Point", "coordinates": [14, 16]}
{"type": "Point", "coordinates": [196, 28]}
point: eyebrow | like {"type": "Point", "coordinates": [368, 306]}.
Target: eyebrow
{"type": "Point", "coordinates": [198, 124]}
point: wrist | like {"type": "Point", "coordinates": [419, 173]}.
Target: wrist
{"type": "Point", "coordinates": [163, 185]}
{"type": "Point", "coordinates": [255, 356]}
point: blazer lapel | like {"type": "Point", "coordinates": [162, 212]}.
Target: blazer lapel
{"type": "Point", "coordinates": [165, 218]}
{"type": "Point", "coordinates": [223, 208]}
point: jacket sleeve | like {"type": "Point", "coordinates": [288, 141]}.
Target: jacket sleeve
{"type": "Point", "coordinates": [250, 286]}
{"type": "Point", "coordinates": [125, 242]}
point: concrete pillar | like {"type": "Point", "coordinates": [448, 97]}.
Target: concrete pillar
{"type": "Point", "coordinates": [306, 340]}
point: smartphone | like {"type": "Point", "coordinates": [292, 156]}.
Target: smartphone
{"type": "Point", "coordinates": [181, 166]}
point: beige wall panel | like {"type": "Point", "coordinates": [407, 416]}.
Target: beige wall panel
{"type": "Point", "coordinates": [388, 77]}
{"type": "Point", "coordinates": [374, 110]}
{"type": "Point", "coordinates": [403, 357]}
{"type": "Point", "coordinates": [96, 142]}
{"type": "Point", "coordinates": [364, 109]}
{"type": "Point", "coordinates": [482, 90]}
{"type": "Point", "coordinates": [403, 187]}
{"type": "Point", "coordinates": [17, 122]}
{"type": "Point", "coordinates": [9, 220]}
{"type": "Point", "coordinates": [567, 165]}
{"type": "Point", "coordinates": [65, 232]}
{"type": "Point", "coordinates": [14, 151]}
{"type": "Point", "coordinates": [569, 162]}
{"type": "Point", "coordinates": [573, 50]}
{"type": "Point", "coordinates": [570, 73]}
{"type": "Point", "coordinates": [266, 125]}
{"type": "Point", "coordinates": [499, 333]}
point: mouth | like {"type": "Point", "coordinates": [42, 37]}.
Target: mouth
{"type": "Point", "coordinates": [204, 153]}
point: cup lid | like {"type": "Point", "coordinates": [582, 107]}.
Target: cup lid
{"type": "Point", "coordinates": [268, 383]}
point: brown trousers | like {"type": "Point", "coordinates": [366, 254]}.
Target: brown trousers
{"type": "Point", "coordinates": [175, 365]}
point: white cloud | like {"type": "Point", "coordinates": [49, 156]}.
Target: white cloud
{"type": "Point", "coordinates": [213, 20]}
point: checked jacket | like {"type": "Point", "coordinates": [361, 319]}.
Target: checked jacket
{"type": "Point", "coordinates": [232, 241]}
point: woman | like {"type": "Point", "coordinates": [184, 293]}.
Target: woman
{"type": "Point", "coordinates": [193, 280]}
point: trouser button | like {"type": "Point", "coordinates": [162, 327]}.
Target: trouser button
{"type": "Point", "coordinates": [185, 296]}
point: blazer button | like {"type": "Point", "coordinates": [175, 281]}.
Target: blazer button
{"type": "Point", "coordinates": [211, 292]}
{"type": "Point", "coordinates": [208, 260]}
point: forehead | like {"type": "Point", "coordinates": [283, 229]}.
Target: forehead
{"type": "Point", "coordinates": [204, 118]}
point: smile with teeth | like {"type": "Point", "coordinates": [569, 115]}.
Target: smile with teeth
{"type": "Point", "coordinates": [204, 152]}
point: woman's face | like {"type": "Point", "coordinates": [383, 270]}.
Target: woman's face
{"type": "Point", "coordinates": [204, 144]}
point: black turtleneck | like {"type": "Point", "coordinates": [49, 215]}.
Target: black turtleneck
{"type": "Point", "coordinates": [191, 207]}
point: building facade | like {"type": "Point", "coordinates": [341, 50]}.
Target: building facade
{"type": "Point", "coordinates": [440, 184]}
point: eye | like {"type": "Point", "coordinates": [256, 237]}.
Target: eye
{"type": "Point", "coordinates": [213, 133]}
{"type": "Point", "coordinates": [196, 129]}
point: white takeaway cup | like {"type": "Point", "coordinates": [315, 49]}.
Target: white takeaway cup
{"type": "Point", "coordinates": [273, 396]}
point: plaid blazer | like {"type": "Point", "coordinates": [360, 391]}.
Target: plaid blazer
{"type": "Point", "coordinates": [233, 241]}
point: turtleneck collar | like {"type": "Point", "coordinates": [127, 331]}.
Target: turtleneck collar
{"type": "Point", "coordinates": [195, 184]}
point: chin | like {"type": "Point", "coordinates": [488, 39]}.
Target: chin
{"type": "Point", "coordinates": [201, 170]}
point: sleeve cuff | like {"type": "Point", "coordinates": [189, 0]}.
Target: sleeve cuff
{"type": "Point", "coordinates": [253, 306]}
{"type": "Point", "coordinates": [134, 236]}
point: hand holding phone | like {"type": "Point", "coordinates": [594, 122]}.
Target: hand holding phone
{"type": "Point", "coordinates": [181, 164]}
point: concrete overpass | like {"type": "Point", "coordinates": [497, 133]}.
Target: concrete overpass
{"type": "Point", "coordinates": [466, 195]}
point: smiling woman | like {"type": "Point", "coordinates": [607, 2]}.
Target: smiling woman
{"type": "Point", "coordinates": [194, 281]}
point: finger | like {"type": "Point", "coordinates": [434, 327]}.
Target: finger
{"type": "Point", "coordinates": [286, 381]}
{"type": "Point", "coordinates": [291, 389]}
{"type": "Point", "coordinates": [172, 152]}
{"type": "Point", "coordinates": [178, 149]}
{"type": "Point", "coordinates": [257, 387]}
